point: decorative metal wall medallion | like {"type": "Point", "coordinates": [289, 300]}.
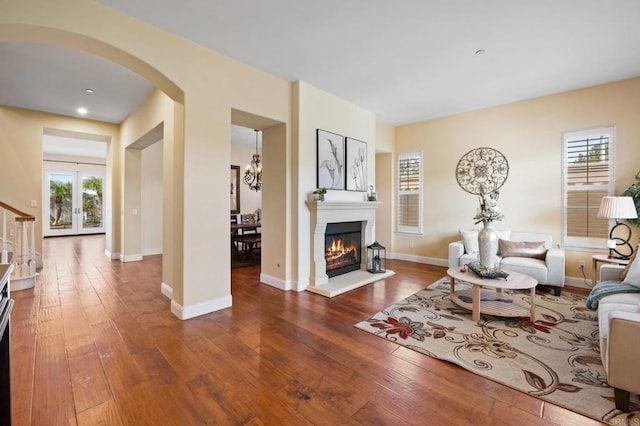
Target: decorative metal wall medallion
{"type": "Point", "coordinates": [482, 169]}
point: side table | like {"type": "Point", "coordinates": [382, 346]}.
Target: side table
{"type": "Point", "coordinates": [603, 258]}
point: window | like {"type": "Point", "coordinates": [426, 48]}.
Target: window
{"type": "Point", "coordinates": [588, 176]}
{"type": "Point", "coordinates": [409, 208]}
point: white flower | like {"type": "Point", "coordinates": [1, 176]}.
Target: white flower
{"type": "Point", "coordinates": [488, 210]}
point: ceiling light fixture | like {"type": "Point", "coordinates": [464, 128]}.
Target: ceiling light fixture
{"type": "Point", "coordinates": [253, 173]}
{"type": "Point", "coordinates": [82, 111]}
{"type": "Point", "coordinates": [89, 90]}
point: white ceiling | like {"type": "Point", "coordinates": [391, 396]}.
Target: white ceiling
{"type": "Point", "coordinates": [407, 61]}
{"type": "Point", "coordinates": [54, 79]}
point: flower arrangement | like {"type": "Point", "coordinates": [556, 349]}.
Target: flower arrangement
{"type": "Point", "coordinates": [488, 210]}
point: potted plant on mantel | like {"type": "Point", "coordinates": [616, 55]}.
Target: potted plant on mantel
{"type": "Point", "coordinates": [318, 194]}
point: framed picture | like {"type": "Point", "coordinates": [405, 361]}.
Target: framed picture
{"type": "Point", "coordinates": [356, 165]}
{"type": "Point", "coordinates": [330, 165]}
{"type": "Point", "coordinates": [234, 177]}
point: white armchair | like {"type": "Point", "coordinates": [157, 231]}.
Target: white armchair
{"type": "Point", "coordinates": [619, 326]}
{"type": "Point", "coordinates": [549, 271]}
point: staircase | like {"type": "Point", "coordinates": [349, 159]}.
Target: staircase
{"type": "Point", "coordinates": [18, 246]}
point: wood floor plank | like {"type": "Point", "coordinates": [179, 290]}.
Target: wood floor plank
{"type": "Point", "coordinates": [89, 383]}
{"type": "Point", "coordinates": [509, 415]}
{"type": "Point", "coordinates": [95, 343]}
{"type": "Point", "coordinates": [118, 364]}
{"type": "Point", "coordinates": [209, 397]}
{"type": "Point", "coordinates": [102, 415]}
{"type": "Point", "coordinates": [154, 367]}
{"type": "Point", "coordinates": [52, 393]}
{"type": "Point", "coordinates": [23, 352]}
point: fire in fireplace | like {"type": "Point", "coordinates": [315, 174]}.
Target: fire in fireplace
{"type": "Point", "coordinates": [342, 245]}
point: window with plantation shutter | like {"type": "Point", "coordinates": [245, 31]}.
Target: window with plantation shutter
{"type": "Point", "coordinates": [409, 206]}
{"type": "Point", "coordinates": [588, 176]}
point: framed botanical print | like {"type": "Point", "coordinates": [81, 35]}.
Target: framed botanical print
{"type": "Point", "coordinates": [356, 165]}
{"type": "Point", "coordinates": [330, 155]}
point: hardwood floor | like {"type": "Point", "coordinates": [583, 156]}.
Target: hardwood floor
{"type": "Point", "coordinates": [95, 344]}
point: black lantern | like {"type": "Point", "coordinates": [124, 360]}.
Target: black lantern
{"type": "Point", "coordinates": [376, 258]}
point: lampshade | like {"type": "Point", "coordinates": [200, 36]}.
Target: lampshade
{"type": "Point", "coordinates": [617, 208]}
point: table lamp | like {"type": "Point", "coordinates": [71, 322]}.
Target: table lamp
{"type": "Point", "coordinates": [618, 208]}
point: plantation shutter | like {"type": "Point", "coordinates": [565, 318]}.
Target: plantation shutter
{"type": "Point", "coordinates": [587, 179]}
{"type": "Point", "coordinates": [409, 193]}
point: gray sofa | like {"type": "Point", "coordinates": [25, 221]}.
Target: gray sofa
{"type": "Point", "coordinates": [619, 329]}
{"type": "Point", "coordinates": [549, 271]}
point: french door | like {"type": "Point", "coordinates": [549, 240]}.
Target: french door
{"type": "Point", "coordinates": [73, 202]}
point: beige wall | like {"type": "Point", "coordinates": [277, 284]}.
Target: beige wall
{"type": "Point", "coordinates": [21, 162]}
{"type": "Point", "coordinates": [151, 172]}
{"type": "Point", "coordinates": [385, 145]}
{"type": "Point", "coordinates": [317, 109]}
{"type": "Point", "coordinates": [384, 215]}
{"type": "Point", "coordinates": [157, 111]}
{"type": "Point", "coordinates": [385, 137]}
{"type": "Point", "coordinates": [529, 134]}
{"type": "Point", "coordinates": [276, 208]}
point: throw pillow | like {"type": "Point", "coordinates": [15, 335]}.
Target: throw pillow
{"type": "Point", "coordinates": [633, 276]}
{"type": "Point", "coordinates": [470, 240]}
{"type": "Point", "coordinates": [503, 235]}
{"type": "Point", "coordinates": [533, 249]}
{"type": "Point", "coordinates": [623, 275]}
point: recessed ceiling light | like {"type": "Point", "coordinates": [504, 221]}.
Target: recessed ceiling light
{"type": "Point", "coordinates": [82, 111]}
{"type": "Point", "coordinates": [480, 52]}
{"type": "Point", "coordinates": [89, 90]}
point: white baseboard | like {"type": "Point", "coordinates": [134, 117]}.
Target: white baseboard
{"type": "Point", "coordinates": [130, 257]}
{"type": "Point", "coordinates": [278, 283]}
{"type": "Point", "coordinates": [192, 311]}
{"type": "Point", "coordinates": [112, 256]}
{"type": "Point", "coordinates": [151, 252]}
{"type": "Point", "coordinates": [166, 290]}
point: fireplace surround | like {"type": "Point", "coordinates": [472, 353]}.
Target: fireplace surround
{"type": "Point", "coordinates": [323, 213]}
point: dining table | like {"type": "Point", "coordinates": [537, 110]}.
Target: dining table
{"type": "Point", "coordinates": [250, 240]}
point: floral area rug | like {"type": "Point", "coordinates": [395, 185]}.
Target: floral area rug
{"type": "Point", "coordinates": [556, 358]}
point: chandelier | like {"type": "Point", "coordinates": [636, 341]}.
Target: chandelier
{"type": "Point", "coordinates": [253, 173]}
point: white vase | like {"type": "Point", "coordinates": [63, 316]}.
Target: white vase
{"type": "Point", "coordinates": [488, 247]}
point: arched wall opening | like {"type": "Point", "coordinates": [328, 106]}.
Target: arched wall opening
{"type": "Point", "coordinates": [200, 87]}
{"type": "Point", "coordinates": [123, 165]}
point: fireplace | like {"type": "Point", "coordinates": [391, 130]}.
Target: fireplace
{"type": "Point", "coordinates": [323, 215]}
{"type": "Point", "coordinates": [342, 247]}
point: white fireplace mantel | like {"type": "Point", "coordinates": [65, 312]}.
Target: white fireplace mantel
{"type": "Point", "coordinates": [323, 212]}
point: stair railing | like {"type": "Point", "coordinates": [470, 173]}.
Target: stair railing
{"type": "Point", "coordinates": [22, 243]}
